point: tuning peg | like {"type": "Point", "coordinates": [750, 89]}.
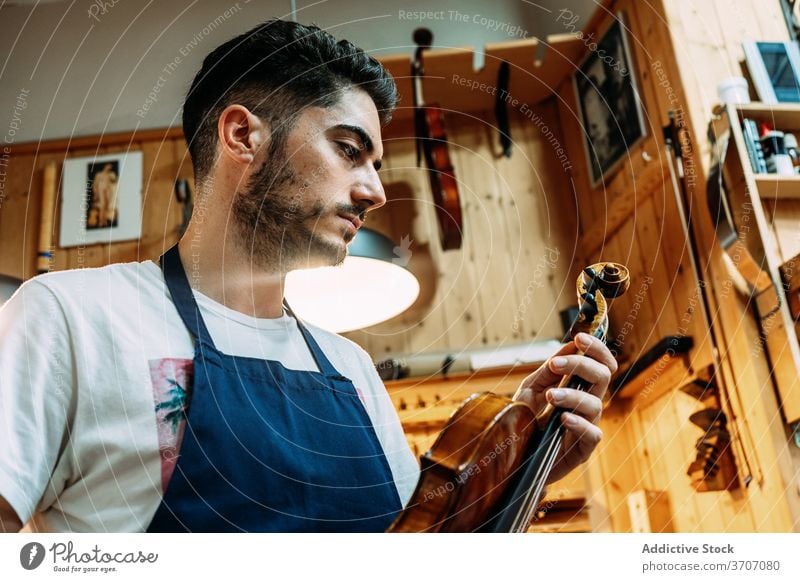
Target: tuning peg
{"type": "Point", "coordinates": [589, 305]}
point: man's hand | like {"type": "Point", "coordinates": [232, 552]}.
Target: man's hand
{"type": "Point", "coordinates": [9, 522]}
{"type": "Point", "coordinates": [596, 366]}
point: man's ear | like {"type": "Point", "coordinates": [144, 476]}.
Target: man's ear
{"type": "Point", "coordinates": [241, 134]}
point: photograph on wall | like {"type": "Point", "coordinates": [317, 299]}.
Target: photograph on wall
{"type": "Point", "coordinates": [101, 199]}
{"type": "Point", "coordinates": [611, 111]}
{"type": "Point", "coordinates": [101, 194]}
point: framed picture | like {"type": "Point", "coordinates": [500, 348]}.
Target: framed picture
{"type": "Point", "coordinates": [101, 199]}
{"type": "Point", "coordinates": [775, 70]}
{"type": "Point", "coordinates": [609, 101]}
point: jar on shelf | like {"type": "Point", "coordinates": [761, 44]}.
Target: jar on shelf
{"type": "Point", "coordinates": [793, 151]}
{"type": "Point", "coordinates": [774, 145]}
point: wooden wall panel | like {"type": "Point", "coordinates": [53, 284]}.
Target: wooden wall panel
{"type": "Point", "coordinates": [517, 266]}
{"type": "Point", "coordinates": [19, 216]}
{"type": "Point", "coordinates": [507, 285]}
{"type": "Point", "coordinates": [705, 37]}
{"type": "Point", "coordinates": [612, 473]}
{"type": "Point", "coordinates": [163, 162]}
{"type": "Point", "coordinates": [703, 58]}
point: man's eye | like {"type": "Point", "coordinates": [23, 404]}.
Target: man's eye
{"type": "Point", "coordinates": [349, 151]}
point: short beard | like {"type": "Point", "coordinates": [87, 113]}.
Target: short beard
{"type": "Point", "coordinates": [271, 221]}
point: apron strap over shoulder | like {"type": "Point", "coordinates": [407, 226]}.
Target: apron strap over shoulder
{"type": "Point", "coordinates": [185, 303]}
{"type": "Point", "coordinates": [323, 363]}
{"type": "Point", "coordinates": [182, 296]}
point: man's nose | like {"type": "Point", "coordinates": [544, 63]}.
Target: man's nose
{"type": "Point", "coordinates": [368, 192]}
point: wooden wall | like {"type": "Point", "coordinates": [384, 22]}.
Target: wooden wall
{"type": "Point", "coordinates": [165, 159]}
{"type": "Point", "coordinates": [517, 266]}
{"type": "Point", "coordinates": [682, 49]}
{"type": "Point", "coordinates": [708, 37]}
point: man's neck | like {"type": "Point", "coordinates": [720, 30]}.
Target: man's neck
{"type": "Point", "coordinates": [220, 270]}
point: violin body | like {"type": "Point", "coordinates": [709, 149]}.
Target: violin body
{"type": "Point", "coordinates": [487, 469]}
{"type": "Point", "coordinates": [469, 467]}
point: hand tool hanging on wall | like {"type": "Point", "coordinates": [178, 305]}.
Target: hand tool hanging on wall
{"type": "Point", "coordinates": [501, 108]}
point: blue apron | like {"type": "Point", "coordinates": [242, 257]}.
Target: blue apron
{"type": "Point", "coordinates": [269, 449]}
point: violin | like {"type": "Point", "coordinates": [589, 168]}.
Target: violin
{"type": "Point", "coordinates": [487, 469]}
{"type": "Point", "coordinates": [432, 141]}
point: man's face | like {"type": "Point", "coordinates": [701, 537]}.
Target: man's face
{"type": "Point", "coordinates": [305, 201]}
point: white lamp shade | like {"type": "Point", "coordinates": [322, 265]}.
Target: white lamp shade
{"type": "Point", "coordinates": [362, 291]}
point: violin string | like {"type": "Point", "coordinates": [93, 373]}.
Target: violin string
{"type": "Point", "coordinates": [533, 493]}
{"type": "Point", "coordinates": [538, 497]}
{"type": "Point", "coordinates": [525, 507]}
{"type": "Point", "coordinates": [534, 490]}
{"type": "Point", "coordinates": [541, 477]}
{"type": "Point", "coordinates": [550, 459]}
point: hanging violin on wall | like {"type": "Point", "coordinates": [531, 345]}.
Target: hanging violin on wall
{"type": "Point", "coordinates": [432, 142]}
{"type": "Point", "coordinates": [487, 469]}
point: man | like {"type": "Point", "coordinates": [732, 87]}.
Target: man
{"type": "Point", "coordinates": [203, 404]}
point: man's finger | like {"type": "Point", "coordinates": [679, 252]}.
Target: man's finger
{"type": "Point", "coordinates": [582, 403]}
{"type": "Point", "coordinates": [597, 350]}
{"type": "Point", "coordinates": [594, 372]}
{"type": "Point", "coordinates": [545, 376]}
{"type": "Point", "coordinates": [587, 435]}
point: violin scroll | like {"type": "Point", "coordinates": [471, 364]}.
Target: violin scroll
{"type": "Point", "coordinates": [596, 284]}
{"type": "Point", "coordinates": [423, 38]}
{"type": "Point", "coordinates": [613, 279]}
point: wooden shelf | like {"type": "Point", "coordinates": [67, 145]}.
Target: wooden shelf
{"type": "Point", "coordinates": [427, 403]}
{"type": "Point", "coordinates": [775, 227]}
{"type": "Point", "coordinates": [775, 187]}
{"type": "Point", "coordinates": [784, 117]}
{"type": "Point", "coordinates": [664, 367]}
{"type": "Point", "coordinates": [452, 82]}
{"type": "Point", "coordinates": [779, 114]}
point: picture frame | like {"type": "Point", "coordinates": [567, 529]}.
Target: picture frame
{"type": "Point", "coordinates": [611, 110]}
{"type": "Point", "coordinates": [101, 199]}
{"type": "Point", "coordinates": [774, 68]}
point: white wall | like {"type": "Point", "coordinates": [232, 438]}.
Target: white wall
{"type": "Point", "coordinates": [83, 68]}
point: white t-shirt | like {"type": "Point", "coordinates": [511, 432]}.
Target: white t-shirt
{"type": "Point", "coordinates": [85, 355]}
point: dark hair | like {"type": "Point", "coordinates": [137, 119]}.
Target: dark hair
{"type": "Point", "coordinates": [276, 70]}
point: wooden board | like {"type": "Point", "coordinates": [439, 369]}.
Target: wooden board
{"type": "Point", "coordinates": [452, 82]}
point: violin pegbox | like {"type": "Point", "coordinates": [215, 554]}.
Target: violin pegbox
{"type": "Point", "coordinates": [597, 284]}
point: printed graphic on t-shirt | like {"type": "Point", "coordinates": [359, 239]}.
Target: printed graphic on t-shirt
{"type": "Point", "coordinates": [172, 391]}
